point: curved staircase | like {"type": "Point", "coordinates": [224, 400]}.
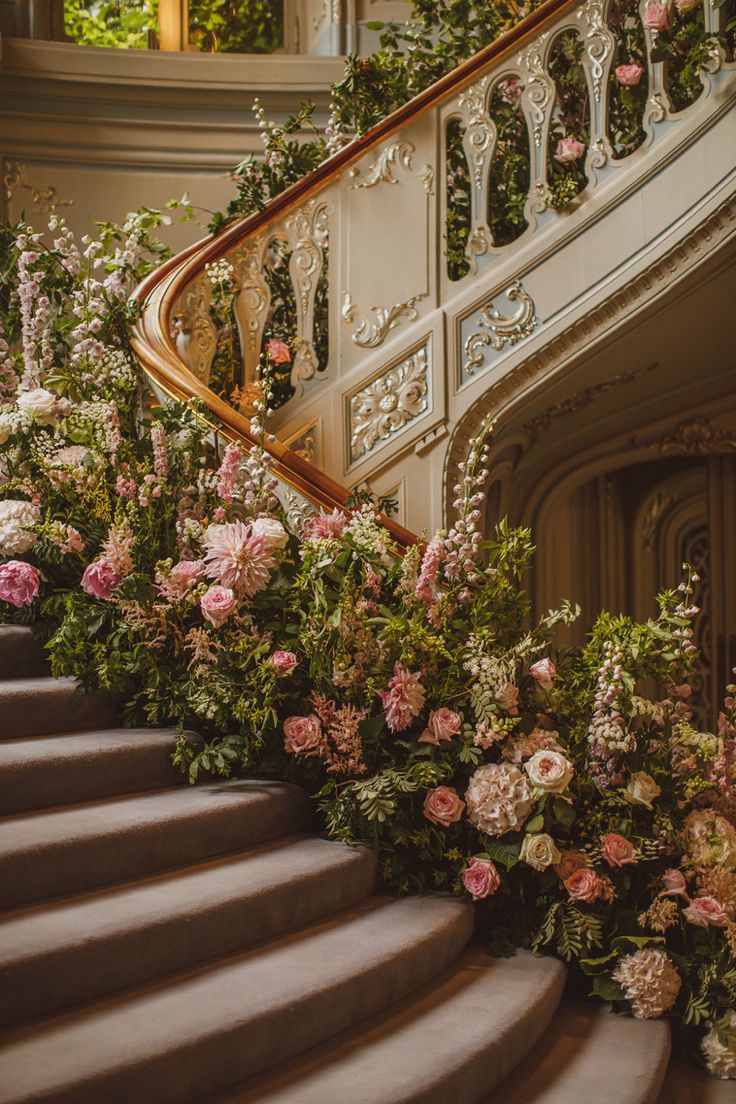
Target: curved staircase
{"type": "Point", "coordinates": [162, 944]}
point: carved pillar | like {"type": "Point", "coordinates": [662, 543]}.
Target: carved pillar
{"type": "Point", "coordinates": [195, 335]}
{"type": "Point", "coordinates": [537, 101]}
{"type": "Point", "coordinates": [479, 143]}
{"type": "Point", "coordinates": [598, 55]}
{"type": "Point", "coordinates": [722, 540]}
{"type": "Point", "coordinates": [306, 230]}
{"type": "Point", "coordinates": [251, 306]}
{"type": "Point", "coordinates": [658, 101]}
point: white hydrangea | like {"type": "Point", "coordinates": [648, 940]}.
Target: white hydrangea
{"type": "Point", "coordinates": [498, 798]}
{"type": "Point", "coordinates": [16, 518]}
{"type": "Point", "coordinates": [650, 982]}
{"type": "Point", "coordinates": [719, 1047]}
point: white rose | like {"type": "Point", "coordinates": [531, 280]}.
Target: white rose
{"type": "Point", "coordinates": [642, 789]}
{"type": "Point", "coordinates": [7, 426]}
{"type": "Point", "coordinates": [539, 851]}
{"type": "Point", "coordinates": [271, 530]}
{"type": "Point", "coordinates": [16, 517]}
{"type": "Point", "coordinates": [550, 771]}
{"type": "Point", "coordinates": [40, 404]}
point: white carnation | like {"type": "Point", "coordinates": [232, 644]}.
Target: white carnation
{"type": "Point", "coordinates": [16, 518]}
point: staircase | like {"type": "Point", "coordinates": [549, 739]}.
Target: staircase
{"type": "Point", "coordinates": [170, 945]}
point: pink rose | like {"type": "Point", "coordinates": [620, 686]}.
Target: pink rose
{"type": "Point", "coordinates": [217, 604]}
{"type": "Point", "coordinates": [568, 149]}
{"type": "Point", "coordinates": [618, 851]}
{"type": "Point", "coordinates": [706, 912]}
{"type": "Point", "coordinates": [278, 352]}
{"type": "Point", "coordinates": [302, 735]}
{"type": "Point", "coordinates": [674, 884]}
{"type": "Point", "coordinates": [584, 885]}
{"type": "Point", "coordinates": [544, 671]}
{"type": "Point", "coordinates": [656, 17]}
{"type": "Point", "coordinates": [187, 573]}
{"type": "Point", "coordinates": [629, 75]}
{"type": "Point", "coordinates": [443, 724]}
{"type": "Point", "coordinates": [19, 582]}
{"type": "Point", "coordinates": [481, 878]}
{"type": "Point", "coordinates": [508, 699]}
{"type": "Point", "coordinates": [100, 580]}
{"type": "Point", "coordinates": [443, 806]}
{"type": "Point", "coordinates": [283, 662]}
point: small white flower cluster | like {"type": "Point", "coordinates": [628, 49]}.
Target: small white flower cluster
{"type": "Point", "coordinates": [221, 274]}
{"type": "Point", "coordinates": [13, 420]}
{"type": "Point", "coordinates": [115, 371]}
{"type": "Point", "coordinates": [367, 533]}
{"type": "Point", "coordinates": [491, 674]}
{"type": "Point", "coordinates": [687, 611]}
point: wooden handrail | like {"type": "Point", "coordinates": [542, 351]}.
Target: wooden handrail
{"type": "Point", "coordinates": [152, 337]}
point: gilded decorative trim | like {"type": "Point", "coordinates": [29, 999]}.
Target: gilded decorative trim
{"type": "Point", "coordinates": [692, 437]}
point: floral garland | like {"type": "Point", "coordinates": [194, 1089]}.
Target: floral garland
{"type": "Point", "coordinates": [410, 694]}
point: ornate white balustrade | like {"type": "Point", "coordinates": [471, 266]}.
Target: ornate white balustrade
{"type": "Point", "coordinates": [392, 347]}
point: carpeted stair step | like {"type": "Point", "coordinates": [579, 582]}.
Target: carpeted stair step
{"type": "Point", "coordinates": [38, 772]}
{"type": "Point", "coordinates": [65, 850]}
{"type": "Point", "coordinates": [21, 653]}
{"type": "Point", "coordinates": [73, 950]}
{"type": "Point", "coordinates": [44, 706]}
{"type": "Point", "coordinates": [445, 1044]}
{"type": "Point", "coordinates": [588, 1054]}
{"type": "Point", "coordinates": [688, 1083]}
{"type": "Point", "coordinates": [198, 1032]}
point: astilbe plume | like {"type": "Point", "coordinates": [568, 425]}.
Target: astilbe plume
{"type": "Point", "coordinates": [341, 746]}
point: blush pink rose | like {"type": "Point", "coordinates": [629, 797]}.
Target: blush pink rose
{"type": "Point", "coordinates": [706, 912]}
{"type": "Point", "coordinates": [674, 884]}
{"type": "Point", "coordinates": [629, 75]}
{"type": "Point", "coordinates": [187, 573]}
{"type": "Point", "coordinates": [481, 878]}
{"type": "Point", "coordinates": [584, 885]}
{"type": "Point", "coordinates": [278, 352]}
{"type": "Point", "coordinates": [656, 17]}
{"type": "Point", "coordinates": [544, 671]}
{"type": "Point", "coordinates": [100, 579]}
{"type": "Point", "coordinates": [302, 735]}
{"type": "Point", "coordinates": [19, 582]}
{"type": "Point", "coordinates": [217, 604]}
{"type": "Point", "coordinates": [443, 806]}
{"type": "Point", "coordinates": [618, 851]}
{"type": "Point", "coordinates": [282, 662]}
{"type": "Point", "coordinates": [568, 149]}
{"type": "Point", "coordinates": [442, 725]}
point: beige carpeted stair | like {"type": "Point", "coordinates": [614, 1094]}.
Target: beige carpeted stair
{"type": "Point", "coordinates": [162, 944]}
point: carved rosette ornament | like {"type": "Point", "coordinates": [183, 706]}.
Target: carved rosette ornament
{"type": "Point", "coordinates": [479, 143]}
{"type": "Point", "coordinates": [307, 233]}
{"type": "Point", "coordinates": [388, 403]}
{"type": "Point", "coordinates": [537, 101]}
{"type": "Point", "coordinates": [382, 171]}
{"type": "Point", "coordinates": [369, 334]}
{"type": "Point", "coordinates": [195, 335]}
{"type": "Point", "coordinates": [497, 330]}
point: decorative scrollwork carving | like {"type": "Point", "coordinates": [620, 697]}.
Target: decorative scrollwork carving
{"type": "Point", "coordinates": [304, 442]}
{"type": "Point", "coordinates": [298, 510]}
{"type": "Point", "coordinates": [370, 334]}
{"type": "Point", "coordinates": [479, 141]}
{"type": "Point", "coordinates": [599, 43]}
{"type": "Point", "coordinates": [194, 330]}
{"type": "Point", "coordinates": [398, 154]}
{"type": "Point", "coordinates": [539, 89]}
{"type": "Point", "coordinates": [307, 232]}
{"type": "Point", "coordinates": [498, 330]}
{"type": "Point", "coordinates": [252, 302]}
{"type": "Point", "coordinates": [692, 437]}
{"type": "Point", "coordinates": [384, 406]}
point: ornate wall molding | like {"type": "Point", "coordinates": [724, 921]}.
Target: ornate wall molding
{"type": "Point", "coordinates": [387, 404]}
{"type": "Point", "coordinates": [381, 171]}
{"type": "Point", "coordinates": [697, 436]}
{"type": "Point", "coordinates": [536, 426]}
{"type": "Point", "coordinates": [45, 200]}
{"type": "Point", "coordinates": [496, 330]}
{"type": "Point", "coordinates": [677, 262]}
{"type": "Point", "coordinates": [305, 442]}
{"type": "Point", "coordinates": [369, 334]}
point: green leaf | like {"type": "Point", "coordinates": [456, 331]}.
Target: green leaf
{"type": "Point", "coordinates": [563, 812]}
{"type": "Point", "coordinates": [507, 854]}
{"type": "Point", "coordinates": [536, 824]}
{"type": "Point", "coordinates": [606, 988]}
{"type": "Point", "coordinates": [374, 25]}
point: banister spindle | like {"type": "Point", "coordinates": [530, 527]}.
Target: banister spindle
{"type": "Point", "coordinates": [537, 101]}
{"type": "Point", "coordinates": [597, 58]}
{"type": "Point", "coordinates": [479, 143]}
{"type": "Point", "coordinates": [652, 13]}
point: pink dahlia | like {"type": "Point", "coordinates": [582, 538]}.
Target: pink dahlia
{"type": "Point", "coordinates": [326, 526]}
{"type": "Point", "coordinates": [19, 582]}
{"type": "Point", "coordinates": [238, 558]}
{"type": "Point", "coordinates": [404, 699]}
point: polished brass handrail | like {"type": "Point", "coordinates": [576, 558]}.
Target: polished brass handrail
{"type": "Point", "coordinates": [152, 337]}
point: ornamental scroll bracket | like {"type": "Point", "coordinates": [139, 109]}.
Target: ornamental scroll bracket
{"type": "Point", "coordinates": [498, 330]}
{"type": "Point", "coordinates": [382, 171]}
{"type": "Point", "coordinates": [369, 334]}
{"type": "Point", "coordinates": [388, 403]}
{"type": "Point", "coordinates": [195, 335]}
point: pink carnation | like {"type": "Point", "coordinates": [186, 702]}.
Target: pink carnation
{"type": "Point", "coordinates": [100, 579]}
{"type": "Point", "coordinates": [404, 699]}
{"type": "Point", "coordinates": [19, 582]}
{"type": "Point", "coordinates": [443, 806]}
{"type": "Point", "coordinates": [706, 912]}
{"type": "Point", "coordinates": [282, 662]}
{"type": "Point", "coordinates": [302, 735]}
{"type": "Point", "coordinates": [583, 885]}
{"type": "Point", "coordinates": [278, 352]}
{"type": "Point", "coordinates": [217, 604]}
{"type": "Point", "coordinates": [568, 149]}
{"type": "Point", "coordinates": [481, 878]}
{"type": "Point", "coordinates": [618, 851]}
{"type": "Point", "coordinates": [442, 725]}
{"type": "Point", "coordinates": [326, 526]}
{"type": "Point", "coordinates": [238, 558]}
{"type": "Point", "coordinates": [629, 75]}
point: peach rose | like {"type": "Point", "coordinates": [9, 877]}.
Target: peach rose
{"type": "Point", "coordinates": [481, 878]}
{"type": "Point", "coordinates": [629, 75]}
{"type": "Point", "coordinates": [508, 699]}
{"type": "Point", "coordinates": [618, 851]}
{"type": "Point", "coordinates": [584, 885]}
{"type": "Point", "coordinates": [570, 862]}
{"type": "Point", "coordinates": [278, 352]}
{"type": "Point", "coordinates": [544, 670]}
{"type": "Point", "coordinates": [443, 806]}
{"type": "Point", "coordinates": [568, 149]}
{"type": "Point", "coordinates": [302, 735]}
{"type": "Point", "coordinates": [706, 912]}
{"type": "Point", "coordinates": [685, 6]}
{"type": "Point", "coordinates": [442, 725]}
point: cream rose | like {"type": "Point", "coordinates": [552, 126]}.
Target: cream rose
{"type": "Point", "coordinates": [16, 518]}
{"type": "Point", "coordinates": [271, 530]}
{"type": "Point", "coordinates": [550, 771]}
{"type": "Point", "coordinates": [40, 404]}
{"type": "Point", "coordinates": [539, 851]}
{"type": "Point", "coordinates": [642, 789]}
